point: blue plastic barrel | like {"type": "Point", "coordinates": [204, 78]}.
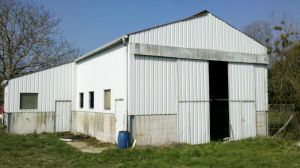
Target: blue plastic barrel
{"type": "Point", "coordinates": [123, 139]}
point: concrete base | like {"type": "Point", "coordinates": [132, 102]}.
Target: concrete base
{"type": "Point", "coordinates": [30, 122]}
{"type": "Point", "coordinates": [261, 123]}
{"type": "Point", "coordinates": [99, 125]}
{"type": "Point", "coordinates": [154, 129]}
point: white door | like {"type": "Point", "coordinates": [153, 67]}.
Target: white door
{"type": "Point", "coordinates": [241, 100]}
{"type": "Point", "coordinates": [120, 114]}
{"type": "Point", "coordinates": [193, 101]}
{"type": "Point", "coordinates": [62, 116]}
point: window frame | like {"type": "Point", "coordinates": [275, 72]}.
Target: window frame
{"type": "Point", "coordinates": [81, 100]}
{"type": "Point", "coordinates": [91, 103]}
{"type": "Point", "coordinates": [21, 98]}
{"type": "Point", "coordinates": [106, 91]}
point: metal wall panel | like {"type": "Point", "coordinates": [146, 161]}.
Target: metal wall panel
{"type": "Point", "coordinates": [242, 120]}
{"type": "Point", "coordinates": [241, 81]}
{"type": "Point", "coordinates": [106, 70]}
{"type": "Point", "coordinates": [193, 80]}
{"type": "Point", "coordinates": [51, 84]}
{"type": "Point", "coordinates": [193, 102]}
{"type": "Point", "coordinates": [153, 86]}
{"type": "Point", "coordinates": [242, 100]}
{"type": "Point", "coordinates": [206, 32]}
{"type": "Point", "coordinates": [261, 86]}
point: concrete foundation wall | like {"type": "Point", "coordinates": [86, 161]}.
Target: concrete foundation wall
{"type": "Point", "coordinates": [30, 122]}
{"type": "Point", "coordinates": [154, 129]}
{"type": "Point", "coordinates": [99, 125]}
{"type": "Point", "coordinates": [261, 123]}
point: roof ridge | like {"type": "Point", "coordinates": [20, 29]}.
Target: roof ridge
{"type": "Point", "coordinates": [199, 14]}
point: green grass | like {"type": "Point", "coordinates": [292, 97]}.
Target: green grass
{"type": "Point", "coordinates": [46, 150]}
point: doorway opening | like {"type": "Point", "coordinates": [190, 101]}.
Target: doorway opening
{"type": "Point", "coordinates": [219, 104]}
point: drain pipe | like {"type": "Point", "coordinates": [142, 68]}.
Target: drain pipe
{"type": "Point", "coordinates": [125, 43]}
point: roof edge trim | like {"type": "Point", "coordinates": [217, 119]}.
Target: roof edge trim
{"type": "Point", "coordinates": [200, 14]}
{"type": "Point", "coordinates": [102, 48]}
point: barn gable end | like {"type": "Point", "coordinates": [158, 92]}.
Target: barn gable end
{"type": "Point", "coordinates": [202, 31]}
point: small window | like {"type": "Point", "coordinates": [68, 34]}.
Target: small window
{"type": "Point", "coordinates": [91, 99]}
{"type": "Point", "coordinates": [81, 100]}
{"type": "Point", "coordinates": [107, 94]}
{"type": "Point", "coordinates": [28, 101]}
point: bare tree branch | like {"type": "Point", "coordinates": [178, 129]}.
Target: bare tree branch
{"type": "Point", "coordinates": [29, 39]}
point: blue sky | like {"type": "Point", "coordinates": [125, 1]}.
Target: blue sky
{"type": "Point", "coordinates": [89, 24]}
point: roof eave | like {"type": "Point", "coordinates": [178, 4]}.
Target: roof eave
{"type": "Point", "coordinates": [102, 48]}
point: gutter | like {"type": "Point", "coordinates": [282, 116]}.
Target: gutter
{"type": "Point", "coordinates": [102, 48]}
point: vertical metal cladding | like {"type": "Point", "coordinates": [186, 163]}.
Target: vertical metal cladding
{"type": "Point", "coordinates": [242, 100]}
{"type": "Point", "coordinates": [207, 32]}
{"type": "Point", "coordinates": [193, 101]}
{"type": "Point", "coordinates": [153, 86]}
{"type": "Point", "coordinates": [241, 82]}
{"type": "Point", "coordinates": [50, 84]}
{"type": "Point", "coordinates": [104, 71]}
{"type": "Point", "coordinates": [173, 86]}
{"type": "Point", "coordinates": [261, 86]}
{"type": "Point", "coordinates": [62, 116]}
{"type": "Point", "coordinates": [242, 120]}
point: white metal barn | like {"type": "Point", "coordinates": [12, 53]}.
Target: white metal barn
{"type": "Point", "coordinates": [192, 81]}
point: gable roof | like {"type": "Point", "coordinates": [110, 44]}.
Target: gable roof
{"type": "Point", "coordinates": [125, 37]}
{"type": "Point", "coordinates": [200, 14]}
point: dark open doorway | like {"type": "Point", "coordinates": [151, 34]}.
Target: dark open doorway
{"type": "Point", "coordinates": [219, 105]}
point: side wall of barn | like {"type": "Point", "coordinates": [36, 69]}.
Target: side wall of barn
{"type": "Point", "coordinates": [51, 86]}
{"type": "Point", "coordinates": [103, 72]}
{"type": "Point", "coordinates": [162, 62]}
{"type": "Point", "coordinates": [170, 100]}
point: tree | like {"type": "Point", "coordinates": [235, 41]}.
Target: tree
{"type": "Point", "coordinates": [284, 78]}
{"type": "Point", "coordinates": [261, 31]}
{"type": "Point", "coordinates": [283, 43]}
{"type": "Point", "coordinates": [278, 37]}
{"type": "Point", "coordinates": [29, 39]}
{"type": "Point", "coordinates": [287, 36]}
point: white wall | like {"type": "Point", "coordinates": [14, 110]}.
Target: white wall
{"type": "Point", "coordinates": [248, 94]}
{"type": "Point", "coordinates": [164, 86]}
{"type": "Point", "coordinates": [153, 86]}
{"type": "Point", "coordinates": [193, 101]}
{"type": "Point", "coordinates": [242, 114]}
{"type": "Point", "coordinates": [107, 70]}
{"type": "Point", "coordinates": [206, 32]}
{"type": "Point", "coordinates": [261, 86]}
{"type": "Point", "coordinates": [52, 84]}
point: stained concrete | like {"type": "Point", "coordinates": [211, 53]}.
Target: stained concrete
{"type": "Point", "coordinates": [202, 54]}
{"type": "Point", "coordinates": [261, 123]}
{"type": "Point", "coordinates": [98, 125]}
{"type": "Point", "coordinates": [30, 122]}
{"type": "Point", "coordinates": [154, 129]}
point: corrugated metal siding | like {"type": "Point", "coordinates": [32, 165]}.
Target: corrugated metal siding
{"type": "Point", "coordinates": [242, 120]}
{"type": "Point", "coordinates": [241, 82]}
{"type": "Point", "coordinates": [193, 110]}
{"type": "Point", "coordinates": [153, 86]}
{"type": "Point", "coordinates": [52, 84]}
{"type": "Point", "coordinates": [207, 32]}
{"type": "Point", "coordinates": [106, 70]}
{"type": "Point", "coordinates": [193, 80]}
{"type": "Point", "coordinates": [261, 86]}
{"type": "Point", "coordinates": [242, 100]}
{"type": "Point", "coordinates": [62, 116]}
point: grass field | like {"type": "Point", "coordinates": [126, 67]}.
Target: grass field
{"type": "Point", "coordinates": [46, 150]}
